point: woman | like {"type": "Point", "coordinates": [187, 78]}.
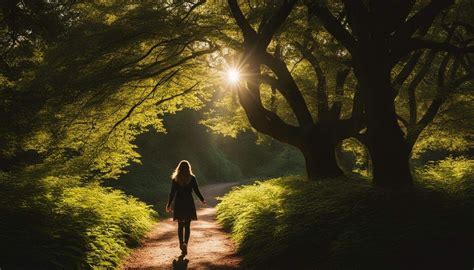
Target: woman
{"type": "Point", "coordinates": [184, 182]}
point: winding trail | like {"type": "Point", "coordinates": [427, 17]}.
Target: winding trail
{"type": "Point", "coordinates": [209, 246]}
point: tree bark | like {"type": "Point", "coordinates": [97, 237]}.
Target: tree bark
{"type": "Point", "coordinates": [318, 146]}
{"type": "Point", "coordinates": [390, 158]}
{"type": "Point", "coordinates": [385, 139]}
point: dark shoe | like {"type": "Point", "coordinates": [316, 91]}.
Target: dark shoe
{"type": "Point", "coordinates": [184, 249]}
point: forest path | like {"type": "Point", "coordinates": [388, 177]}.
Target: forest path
{"type": "Point", "coordinates": [209, 246]}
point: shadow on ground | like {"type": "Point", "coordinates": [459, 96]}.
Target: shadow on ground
{"type": "Point", "coordinates": [181, 263]}
{"type": "Point", "coordinates": [210, 247]}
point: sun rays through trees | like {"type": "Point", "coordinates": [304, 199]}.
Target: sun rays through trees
{"type": "Point", "coordinates": [104, 91]}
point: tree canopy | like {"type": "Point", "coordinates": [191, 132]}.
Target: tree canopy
{"type": "Point", "coordinates": [81, 80]}
{"type": "Point", "coordinates": [376, 41]}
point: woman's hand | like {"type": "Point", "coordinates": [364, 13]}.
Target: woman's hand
{"type": "Point", "coordinates": [168, 209]}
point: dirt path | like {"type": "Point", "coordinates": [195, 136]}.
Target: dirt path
{"type": "Point", "coordinates": [209, 246]}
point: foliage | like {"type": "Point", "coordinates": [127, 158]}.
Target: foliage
{"type": "Point", "coordinates": [445, 135]}
{"type": "Point", "coordinates": [78, 82]}
{"type": "Point", "coordinates": [354, 157]}
{"type": "Point", "coordinates": [306, 44]}
{"type": "Point", "coordinates": [339, 224]}
{"type": "Point", "coordinates": [81, 80]}
{"type": "Point", "coordinates": [55, 223]}
{"type": "Point", "coordinates": [184, 139]}
{"type": "Point", "coordinates": [229, 117]}
{"type": "Point", "coordinates": [109, 75]}
{"type": "Point", "coordinates": [214, 158]}
{"type": "Point", "coordinates": [452, 175]}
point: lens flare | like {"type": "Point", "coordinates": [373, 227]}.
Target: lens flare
{"type": "Point", "coordinates": [233, 75]}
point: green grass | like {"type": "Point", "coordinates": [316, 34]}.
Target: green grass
{"type": "Point", "coordinates": [58, 223]}
{"type": "Point", "coordinates": [345, 223]}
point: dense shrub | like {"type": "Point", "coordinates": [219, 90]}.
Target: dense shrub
{"type": "Point", "coordinates": [453, 175]}
{"type": "Point", "coordinates": [57, 223]}
{"type": "Point", "coordinates": [345, 223]}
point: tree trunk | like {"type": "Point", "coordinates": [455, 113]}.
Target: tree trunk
{"type": "Point", "coordinates": [385, 140]}
{"type": "Point", "coordinates": [390, 159]}
{"type": "Point", "coordinates": [319, 152]}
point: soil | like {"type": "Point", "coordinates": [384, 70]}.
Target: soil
{"type": "Point", "coordinates": [210, 247]}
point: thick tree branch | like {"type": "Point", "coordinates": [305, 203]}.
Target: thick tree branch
{"type": "Point", "coordinates": [391, 14]}
{"type": "Point", "coordinates": [256, 54]}
{"type": "Point", "coordinates": [247, 30]}
{"type": "Point", "coordinates": [263, 120]}
{"type": "Point", "coordinates": [289, 89]}
{"type": "Point", "coordinates": [339, 91]}
{"type": "Point", "coordinates": [277, 54]}
{"type": "Point", "coordinates": [270, 80]}
{"type": "Point", "coordinates": [407, 69]}
{"type": "Point", "coordinates": [421, 20]}
{"type": "Point", "coordinates": [332, 24]}
{"type": "Point", "coordinates": [416, 44]}
{"type": "Point", "coordinates": [357, 113]}
{"type": "Point", "coordinates": [275, 22]}
{"type": "Point", "coordinates": [321, 87]}
{"type": "Point", "coordinates": [411, 90]}
{"type": "Point", "coordinates": [432, 111]}
{"type": "Point", "coordinates": [358, 18]}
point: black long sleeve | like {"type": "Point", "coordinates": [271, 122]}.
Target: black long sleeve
{"type": "Point", "coordinates": [172, 193]}
{"type": "Point", "coordinates": [196, 189]}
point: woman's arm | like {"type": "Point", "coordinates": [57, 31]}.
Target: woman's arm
{"type": "Point", "coordinates": [171, 196]}
{"type": "Point", "coordinates": [196, 190]}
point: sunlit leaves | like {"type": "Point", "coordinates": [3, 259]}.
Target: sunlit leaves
{"type": "Point", "coordinates": [226, 117]}
{"type": "Point", "coordinates": [114, 74]}
{"type": "Point", "coordinates": [338, 217]}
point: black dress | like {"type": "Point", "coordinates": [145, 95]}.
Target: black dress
{"type": "Point", "coordinates": [184, 208]}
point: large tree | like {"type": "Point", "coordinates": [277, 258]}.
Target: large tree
{"type": "Point", "coordinates": [320, 124]}
{"type": "Point", "coordinates": [379, 37]}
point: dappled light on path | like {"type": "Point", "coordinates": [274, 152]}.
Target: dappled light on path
{"type": "Point", "coordinates": [209, 246]}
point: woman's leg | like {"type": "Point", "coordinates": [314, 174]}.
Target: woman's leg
{"type": "Point", "coordinates": [187, 231]}
{"type": "Point", "coordinates": [180, 231]}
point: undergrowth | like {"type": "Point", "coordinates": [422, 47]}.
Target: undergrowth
{"type": "Point", "coordinates": [290, 223]}
{"type": "Point", "coordinates": [59, 223]}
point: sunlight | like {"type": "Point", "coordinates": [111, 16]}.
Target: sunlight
{"type": "Point", "coordinates": [233, 75]}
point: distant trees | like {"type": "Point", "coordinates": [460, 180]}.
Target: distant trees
{"type": "Point", "coordinates": [385, 41]}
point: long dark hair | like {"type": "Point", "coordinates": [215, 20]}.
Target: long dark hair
{"type": "Point", "coordinates": [183, 173]}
